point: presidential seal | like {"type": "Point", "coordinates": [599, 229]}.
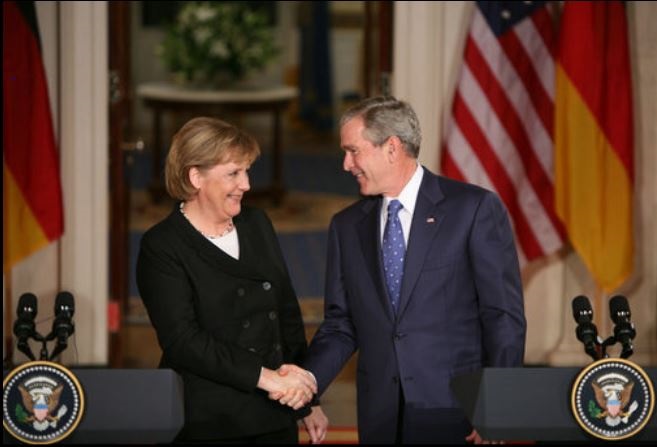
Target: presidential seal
{"type": "Point", "coordinates": [612, 399]}
{"type": "Point", "coordinates": [42, 402]}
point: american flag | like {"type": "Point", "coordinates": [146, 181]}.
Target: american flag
{"type": "Point", "coordinates": [500, 133]}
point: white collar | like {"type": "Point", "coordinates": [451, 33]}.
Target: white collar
{"type": "Point", "coordinates": [408, 195]}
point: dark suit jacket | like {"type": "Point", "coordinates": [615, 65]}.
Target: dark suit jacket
{"type": "Point", "coordinates": [219, 320]}
{"type": "Point", "coordinates": [461, 309]}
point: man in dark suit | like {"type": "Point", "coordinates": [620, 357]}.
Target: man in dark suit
{"type": "Point", "coordinates": [422, 279]}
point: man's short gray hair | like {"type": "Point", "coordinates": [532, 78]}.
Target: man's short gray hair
{"type": "Point", "coordinates": [384, 117]}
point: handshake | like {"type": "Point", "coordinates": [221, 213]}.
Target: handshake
{"type": "Point", "coordinates": [290, 385]}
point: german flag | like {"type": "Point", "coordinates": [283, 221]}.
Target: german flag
{"type": "Point", "coordinates": [594, 165]}
{"type": "Point", "coordinates": [32, 199]}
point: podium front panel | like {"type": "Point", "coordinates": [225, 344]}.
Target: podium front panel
{"type": "Point", "coordinates": [528, 404]}
{"type": "Point", "coordinates": [127, 406]}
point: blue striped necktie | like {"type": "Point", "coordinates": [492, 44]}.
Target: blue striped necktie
{"type": "Point", "coordinates": [394, 249]}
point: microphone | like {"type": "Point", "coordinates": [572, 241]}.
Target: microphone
{"type": "Point", "coordinates": [586, 331]}
{"type": "Point", "coordinates": [24, 327]}
{"type": "Point", "coordinates": [624, 331]}
{"type": "Point", "coordinates": [63, 326]}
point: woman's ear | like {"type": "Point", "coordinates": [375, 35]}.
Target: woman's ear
{"type": "Point", "coordinates": [195, 177]}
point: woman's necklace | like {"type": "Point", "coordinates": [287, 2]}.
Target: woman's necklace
{"type": "Point", "coordinates": [228, 229]}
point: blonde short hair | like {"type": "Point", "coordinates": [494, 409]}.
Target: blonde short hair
{"type": "Point", "coordinates": [203, 143]}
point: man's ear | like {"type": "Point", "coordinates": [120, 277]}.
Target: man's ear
{"type": "Point", "coordinates": [393, 148]}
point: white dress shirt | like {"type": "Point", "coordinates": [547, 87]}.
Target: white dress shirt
{"type": "Point", "coordinates": [407, 197]}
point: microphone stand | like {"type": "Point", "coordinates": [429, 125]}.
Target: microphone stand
{"type": "Point", "coordinates": [43, 354]}
{"type": "Point", "coordinates": [24, 347]}
{"type": "Point", "coordinates": [611, 340]}
{"type": "Point", "coordinates": [61, 345]}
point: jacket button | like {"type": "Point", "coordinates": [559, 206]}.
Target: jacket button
{"type": "Point", "coordinates": [241, 291]}
{"type": "Point", "coordinates": [252, 349]}
{"type": "Point", "coordinates": [277, 346]}
{"type": "Point", "coordinates": [272, 315]}
{"type": "Point", "coordinates": [246, 324]}
{"type": "Point", "coordinates": [266, 285]}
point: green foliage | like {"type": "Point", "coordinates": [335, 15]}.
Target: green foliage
{"type": "Point", "coordinates": [211, 42]}
{"type": "Point", "coordinates": [20, 413]}
{"type": "Point", "coordinates": [594, 410]}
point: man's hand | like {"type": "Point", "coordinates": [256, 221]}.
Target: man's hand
{"type": "Point", "coordinates": [290, 397]}
{"type": "Point", "coordinates": [294, 390]}
{"type": "Point", "coordinates": [474, 438]}
{"type": "Point", "coordinates": [316, 424]}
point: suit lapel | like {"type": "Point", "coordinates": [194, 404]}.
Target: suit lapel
{"type": "Point", "coordinates": [248, 264]}
{"type": "Point", "coordinates": [425, 225]}
{"type": "Point", "coordinates": [369, 235]}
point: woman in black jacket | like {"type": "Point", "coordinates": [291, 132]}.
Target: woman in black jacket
{"type": "Point", "coordinates": [217, 290]}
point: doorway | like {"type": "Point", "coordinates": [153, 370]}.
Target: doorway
{"type": "Point", "coordinates": [360, 47]}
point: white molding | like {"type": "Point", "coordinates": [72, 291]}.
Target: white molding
{"type": "Point", "coordinates": [428, 42]}
{"type": "Point", "coordinates": [84, 142]}
{"type": "Point", "coordinates": [417, 69]}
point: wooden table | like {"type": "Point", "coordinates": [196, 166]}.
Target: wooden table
{"type": "Point", "coordinates": [163, 97]}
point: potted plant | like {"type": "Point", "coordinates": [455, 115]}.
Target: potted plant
{"type": "Point", "coordinates": [217, 43]}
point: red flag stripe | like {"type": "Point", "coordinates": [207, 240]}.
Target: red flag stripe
{"type": "Point", "coordinates": [524, 66]}
{"type": "Point", "coordinates": [507, 80]}
{"type": "Point", "coordinates": [511, 159]}
{"type": "Point", "coordinates": [502, 107]}
{"type": "Point", "coordinates": [450, 168]}
{"type": "Point", "coordinates": [466, 158]}
{"type": "Point", "coordinates": [500, 134]}
{"type": "Point", "coordinates": [454, 160]}
{"type": "Point", "coordinates": [496, 174]}
{"type": "Point", "coordinates": [492, 174]}
{"type": "Point", "coordinates": [515, 128]}
{"type": "Point", "coordinates": [543, 24]}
